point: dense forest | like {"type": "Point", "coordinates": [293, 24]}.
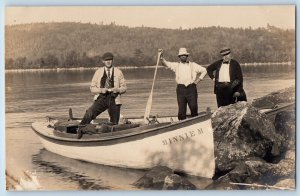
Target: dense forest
{"type": "Point", "coordinates": [68, 44]}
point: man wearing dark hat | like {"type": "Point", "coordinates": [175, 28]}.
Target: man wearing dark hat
{"type": "Point", "coordinates": [188, 74]}
{"type": "Point", "coordinates": [228, 77]}
{"type": "Point", "coordinates": [108, 84]}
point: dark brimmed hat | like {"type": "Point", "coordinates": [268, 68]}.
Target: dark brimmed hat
{"type": "Point", "coordinates": [107, 56]}
{"type": "Point", "coordinates": [225, 51]}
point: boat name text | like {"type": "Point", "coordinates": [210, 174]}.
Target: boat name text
{"type": "Point", "coordinates": [182, 137]}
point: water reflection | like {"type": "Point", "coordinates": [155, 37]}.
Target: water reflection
{"type": "Point", "coordinates": [88, 176]}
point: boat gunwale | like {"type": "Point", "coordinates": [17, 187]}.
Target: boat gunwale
{"type": "Point", "coordinates": [123, 134]}
{"type": "Point", "coordinates": [280, 108]}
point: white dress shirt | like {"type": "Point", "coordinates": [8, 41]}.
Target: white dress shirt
{"type": "Point", "coordinates": [110, 71]}
{"type": "Point", "coordinates": [186, 73]}
{"type": "Point", "coordinates": [224, 73]}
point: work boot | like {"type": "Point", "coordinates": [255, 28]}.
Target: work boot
{"type": "Point", "coordinates": [79, 133]}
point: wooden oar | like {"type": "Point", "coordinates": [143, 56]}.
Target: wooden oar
{"type": "Point", "coordinates": [149, 102]}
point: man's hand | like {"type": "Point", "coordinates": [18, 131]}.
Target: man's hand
{"type": "Point", "coordinates": [197, 81]}
{"type": "Point", "coordinates": [103, 90]}
{"type": "Point", "coordinates": [236, 94]}
{"type": "Point", "coordinates": [115, 90]}
{"type": "Point", "coordinates": [161, 51]}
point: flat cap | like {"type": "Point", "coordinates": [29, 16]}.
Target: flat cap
{"type": "Point", "coordinates": [107, 56]}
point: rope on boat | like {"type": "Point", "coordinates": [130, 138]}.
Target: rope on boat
{"type": "Point", "coordinates": [261, 185]}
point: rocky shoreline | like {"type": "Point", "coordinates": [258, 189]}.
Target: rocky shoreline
{"type": "Point", "coordinates": [252, 150]}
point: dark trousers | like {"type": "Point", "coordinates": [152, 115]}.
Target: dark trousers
{"type": "Point", "coordinates": [187, 96]}
{"type": "Point", "coordinates": [104, 102]}
{"type": "Point", "coordinates": [224, 94]}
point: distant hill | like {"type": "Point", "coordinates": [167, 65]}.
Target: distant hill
{"type": "Point", "coordinates": [68, 44]}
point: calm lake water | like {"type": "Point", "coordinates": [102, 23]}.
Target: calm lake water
{"type": "Point", "coordinates": [30, 96]}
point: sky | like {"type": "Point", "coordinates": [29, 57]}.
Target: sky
{"type": "Point", "coordinates": [282, 16]}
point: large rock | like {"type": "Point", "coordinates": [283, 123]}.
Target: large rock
{"type": "Point", "coordinates": [274, 99]}
{"type": "Point", "coordinates": [259, 168]}
{"type": "Point", "coordinates": [286, 167]}
{"type": "Point", "coordinates": [255, 151]}
{"type": "Point", "coordinates": [241, 131]}
{"type": "Point", "coordinates": [255, 171]}
{"type": "Point", "coordinates": [176, 182]}
{"type": "Point", "coordinates": [163, 178]}
{"type": "Point", "coordinates": [220, 185]}
{"type": "Point", "coordinates": [288, 184]}
{"type": "Point", "coordinates": [247, 171]}
{"type": "Point", "coordinates": [154, 178]}
{"type": "Point", "coordinates": [285, 125]}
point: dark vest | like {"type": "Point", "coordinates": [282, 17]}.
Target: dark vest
{"type": "Point", "coordinates": [103, 79]}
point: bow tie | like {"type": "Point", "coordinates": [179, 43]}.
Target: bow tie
{"type": "Point", "coordinates": [225, 62]}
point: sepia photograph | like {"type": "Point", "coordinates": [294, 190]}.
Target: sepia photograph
{"type": "Point", "coordinates": [150, 97]}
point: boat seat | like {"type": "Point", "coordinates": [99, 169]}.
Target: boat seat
{"type": "Point", "coordinates": [67, 126]}
{"type": "Point", "coordinates": [104, 128]}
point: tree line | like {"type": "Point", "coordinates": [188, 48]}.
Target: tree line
{"type": "Point", "coordinates": [73, 59]}
{"type": "Point", "coordinates": [68, 45]}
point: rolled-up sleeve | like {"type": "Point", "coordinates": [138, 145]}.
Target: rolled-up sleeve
{"type": "Point", "coordinates": [171, 65]}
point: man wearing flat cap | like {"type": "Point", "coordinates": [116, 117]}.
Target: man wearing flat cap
{"type": "Point", "coordinates": [108, 84]}
{"type": "Point", "coordinates": [188, 74]}
{"type": "Point", "coordinates": [228, 78]}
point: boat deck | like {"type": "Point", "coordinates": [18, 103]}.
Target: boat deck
{"type": "Point", "coordinates": [136, 127]}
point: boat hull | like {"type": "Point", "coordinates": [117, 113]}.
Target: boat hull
{"type": "Point", "coordinates": [185, 147]}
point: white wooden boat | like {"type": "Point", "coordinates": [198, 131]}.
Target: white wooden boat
{"type": "Point", "coordinates": [271, 113]}
{"type": "Point", "coordinates": [186, 146]}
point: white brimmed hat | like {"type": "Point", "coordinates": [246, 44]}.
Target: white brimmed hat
{"type": "Point", "coordinates": [182, 51]}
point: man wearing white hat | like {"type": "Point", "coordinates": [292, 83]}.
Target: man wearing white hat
{"type": "Point", "coordinates": [188, 75]}
{"type": "Point", "coordinates": [228, 78]}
